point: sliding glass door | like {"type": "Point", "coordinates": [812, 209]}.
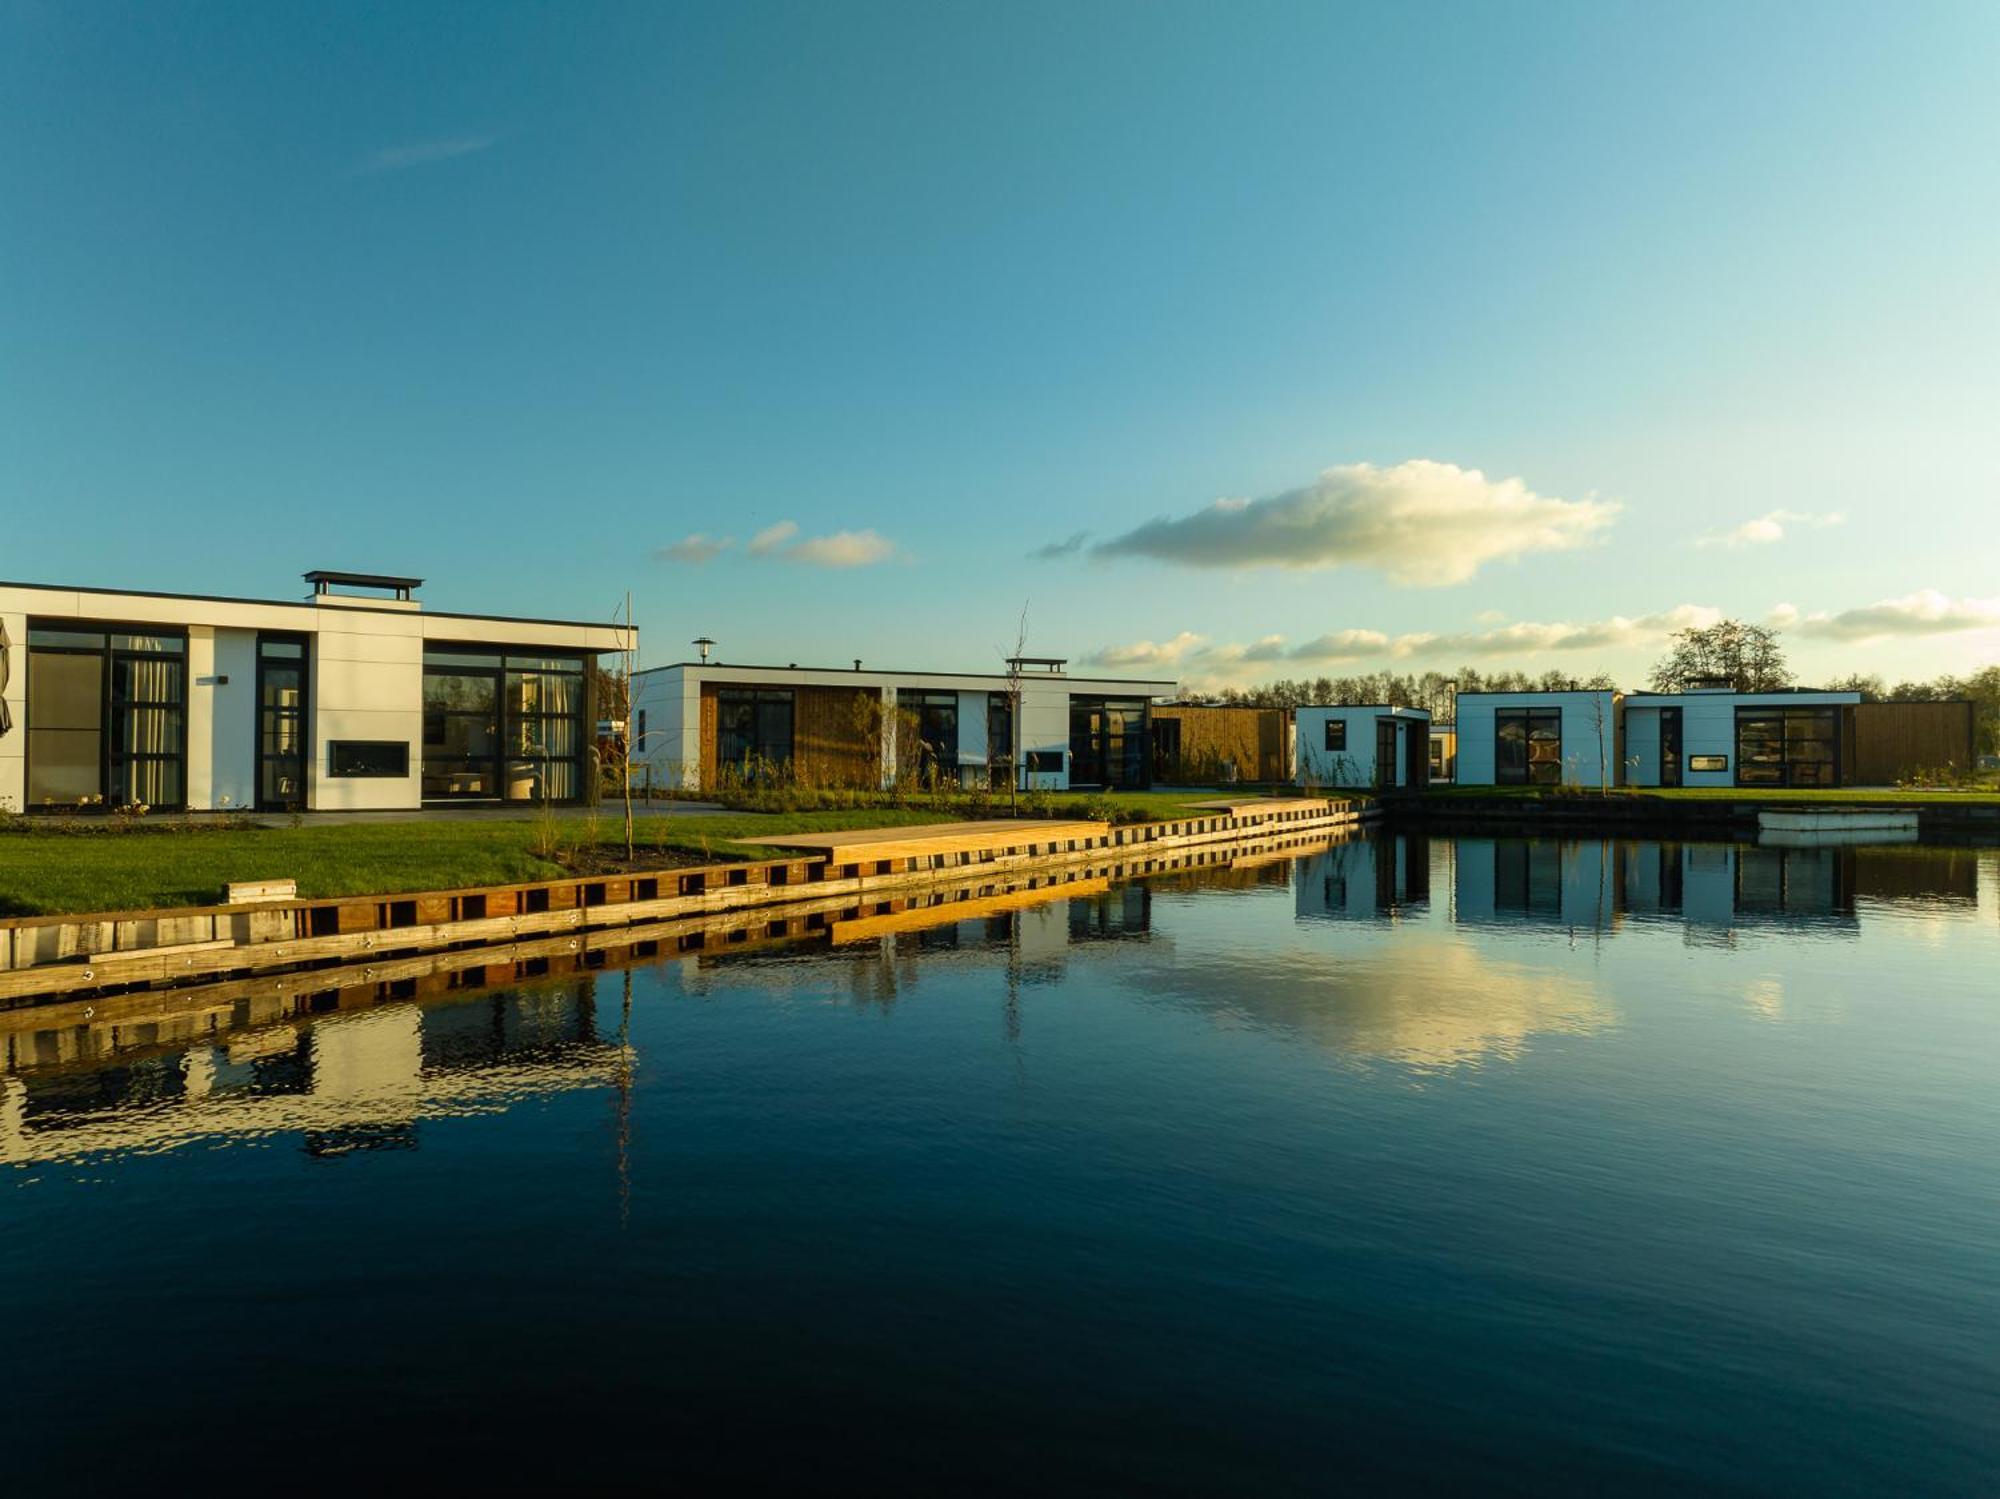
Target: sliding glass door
{"type": "Point", "coordinates": [1787, 747]}
{"type": "Point", "coordinates": [500, 726]}
{"type": "Point", "coordinates": [1527, 747]}
{"type": "Point", "coordinates": [107, 717]}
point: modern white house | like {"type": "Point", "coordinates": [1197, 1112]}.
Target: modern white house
{"type": "Point", "coordinates": [1363, 745]}
{"type": "Point", "coordinates": [353, 698]}
{"type": "Point", "coordinates": [701, 723]}
{"type": "Point", "coordinates": [1538, 738]}
{"type": "Point", "coordinates": [1716, 736]}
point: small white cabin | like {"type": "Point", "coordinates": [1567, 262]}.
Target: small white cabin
{"type": "Point", "coordinates": [1538, 738]}
{"type": "Point", "coordinates": [1365, 746]}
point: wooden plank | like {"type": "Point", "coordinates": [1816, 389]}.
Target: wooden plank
{"type": "Point", "coordinates": [1014, 857]}
{"type": "Point", "coordinates": [241, 892]}
{"type": "Point", "coordinates": [875, 845]}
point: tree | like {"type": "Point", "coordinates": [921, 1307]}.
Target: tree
{"type": "Point", "coordinates": [1745, 657]}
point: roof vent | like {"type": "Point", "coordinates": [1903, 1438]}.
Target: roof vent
{"type": "Point", "coordinates": [328, 582]}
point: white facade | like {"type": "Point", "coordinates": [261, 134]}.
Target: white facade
{"type": "Point", "coordinates": [666, 705]}
{"type": "Point", "coordinates": [1338, 746]}
{"type": "Point", "coordinates": [1707, 728]}
{"type": "Point", "coordinates": [1585, 754]}
{"type": "Point", "coordinates": [363, 660]}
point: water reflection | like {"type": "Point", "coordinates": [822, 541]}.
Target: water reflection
{"type": "Point", "coordinates": [1381, 961]}
{"type": "Point", "coordinates": [1602, 885]}
{"type": "Point", "coordinates": [346, 1079]}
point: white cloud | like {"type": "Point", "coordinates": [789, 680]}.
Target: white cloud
{"type": "Point", "coordinates": [1420, 522]}
{"type": "Point", "coordinates": [771, 538]}
{"type": "Point", "coordinates": [697, 548]}
{"type": "Point", "coordinates": [1925, 612]}
{"type": "Point", "coordinates": [1145, 652]}
{"type": "Point", "coordinates": [425, 153]}
{"type": "Point", "coordinates": [1517, 643]}
{"type": "Point", "coordinates": [1767, 528]}
{"type": "Point", "coordinates": [842, 549]}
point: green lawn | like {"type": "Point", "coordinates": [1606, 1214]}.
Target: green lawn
{"type": "Point", "coordinates": [89, 865]}
{"type": "Point", "coordinates": [46, 869]}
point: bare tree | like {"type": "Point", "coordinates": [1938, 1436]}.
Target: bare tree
{"type": "Point", "coordinates": [1014, 757]}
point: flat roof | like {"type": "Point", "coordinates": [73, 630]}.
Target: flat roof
{"type": "Point", "coordinates": [891, 671]}
{"type": "Point", "coordinates": [362, 607]}
{"type": "Point", "coordinates": [1542, 692]}
{"type": "Point", "coordinates": [1362, 708]}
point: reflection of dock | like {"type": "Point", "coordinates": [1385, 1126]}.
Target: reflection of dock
{"type": "Point", "coordinates": [85, 1030]}
{"type": "Point", "coordinates": [114, 951]}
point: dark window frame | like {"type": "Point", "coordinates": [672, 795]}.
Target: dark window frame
{"type": "Point", "coordinates": [270, 659]}
{"type": "Point", "coordinates": [499, 666]}
{"type": "Point", "coordinates": [760, 753]}
{"type": "Point", "coordinates": [100, 638]}
{"type": "Point", "coordinates": [1529, 719]}
{"type": "Point", "coordinates": [1790, 770]}
{"type": "Point", "coordinates": [1335, 735]}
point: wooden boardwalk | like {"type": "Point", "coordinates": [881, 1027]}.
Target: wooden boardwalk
{"type": "Point", "coordinates": [932, 840]}
{"type": "Point", "coordinates": [107, 952]}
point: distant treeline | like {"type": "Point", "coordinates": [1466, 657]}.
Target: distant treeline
{"type": "Point", "coordinates": [1432, 690]}
{"type": "Point", "coordinates": [1438, 692]}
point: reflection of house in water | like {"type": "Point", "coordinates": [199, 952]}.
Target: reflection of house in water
{"type": "Point", "coordinates": [1714, 887]}
{"type": "Point", "coordinates": [361, 1079]}
{"type": "Point", "coordinates": [1030, 936]}
{"type": "Point", "coordinates": [1386, 875]}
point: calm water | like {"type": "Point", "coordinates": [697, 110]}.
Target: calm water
{"type": "Point", "coordinates": [1478, 1163]}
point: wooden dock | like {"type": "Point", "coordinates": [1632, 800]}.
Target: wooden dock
{"type": "Point", "coordinates": [83, 1025]}
{"type": "Point", "coordinates": [111, 952]}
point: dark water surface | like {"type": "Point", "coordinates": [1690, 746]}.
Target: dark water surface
{"type": "Point", "coordinates": [1468, 1164]}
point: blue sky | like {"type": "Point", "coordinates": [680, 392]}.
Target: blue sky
{"type": "Point", "coordinates": [520, 297]}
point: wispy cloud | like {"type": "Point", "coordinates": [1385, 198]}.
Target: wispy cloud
{"type": "Point", "coordinates": [1145, 652]}
{"type": "Point", "coordinates": [837, 549]}
{"type": "Point", "coordinates": [1925, 612]}
{"type": "Point", "coordinates": [842, 549]}
{"type": "Point", "coordinates": [772, 538]}
{"type": "Point", "coordinates": [1764, 529]}
{"type": "Point", "coordinates": [697, 548]}
{"type": "Point", "coordinates": [1069, 546]}
{"type": "Point", "coordinates": [424, 153]}
{"type": "Point", "coordinates": [1422, 522]}
{"type": "Point", "coordinates": [1518, 641]}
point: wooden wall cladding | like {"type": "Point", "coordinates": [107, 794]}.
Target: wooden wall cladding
{"type": "Point", "coordinates": [1252, 739]}
{"type": "Point", "coordinates": [1889, 740]}
{"type": "Point", "coordinates": [834, 739]}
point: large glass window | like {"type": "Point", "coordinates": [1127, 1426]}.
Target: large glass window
{"type": "Point", "coordinates": [503, 727]}
{"type": "Point", "coordinates": [1107, 742]}
{"type": "Point", "coordinates": [107, 717]}
{"type": "Point", "coordinates": [65, 728]}
{"type": "Point", "coordinates": [1527, 747]}
{"type": "Point", "coordinates": [545, 729]}
{"type": "Point", "coordinates": [1787, 747]}
{"type": "Point", "coordinates": [753, 732]}
{"type": "Point", "coordinates": [937, 731]}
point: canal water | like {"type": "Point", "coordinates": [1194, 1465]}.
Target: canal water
{"type": "Point", "coordinates": [1492, 1164]}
